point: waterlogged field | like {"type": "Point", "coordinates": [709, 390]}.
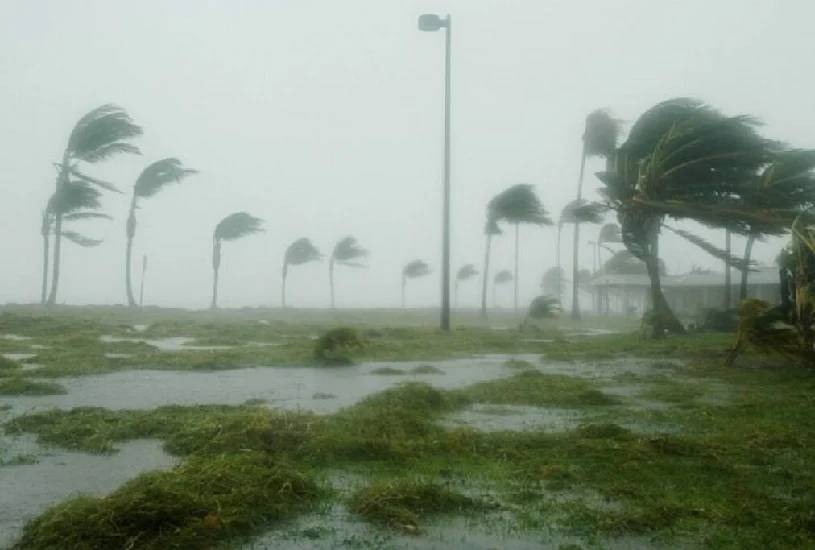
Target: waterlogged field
{"type": "Point", "coordinates": [172, 429]}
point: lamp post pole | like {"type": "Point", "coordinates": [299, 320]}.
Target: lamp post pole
{"type": "Point", "coordinates": [431, 22]}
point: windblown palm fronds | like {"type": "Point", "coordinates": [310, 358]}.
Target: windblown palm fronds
{"type": "Point", "coordinates": [502, 277]}
{"type": "Point", "coordinates": [467, 271]}
{"type": "Point", "coordinates": [413, 270]}
{"type": "Point", "coordinates": [300, 252]}
{"type": "Point", "coordinates": [232, 227]}
{"type": "Point", "coordinates": [346, 252]}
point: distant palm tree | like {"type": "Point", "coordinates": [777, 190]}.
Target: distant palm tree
{"type": "Point", "coordinates": [76, 200]}
{"type": "Point", "coordinates": [99, 135]}
{"type": "Point", "coordinates": [577, 211]}
{"type": "Point", "coordinates": [490, 229]}
{"type": "Point", "coordinates": [599, 139]}
{"type": "Point", "coordinates": [150, 181]}
{"type": "Point", "coordinates": [465, 272]}
{"type": "Point", "coordinates": [413, 270]}
{"type": "Point", "coordinates": [346, 252]}
{"type": "Point", "coordinates": [609, 233]}
{"type": "Point", "coordinates": [232, 227]}
{"type": "Point", "coordinates": [299, 252]}
{"type": "Point", "coordinates": [519, 204]}
{"type": "Point", "coordinates": [502, 277]}
{"type": "Point", "coordinates": [552, 282]}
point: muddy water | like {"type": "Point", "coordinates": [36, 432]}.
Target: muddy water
{"type": "Point", "coordinates": [27, 489]}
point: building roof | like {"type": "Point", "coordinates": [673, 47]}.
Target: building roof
{"type": "Point", "coordinates": [763, 275]}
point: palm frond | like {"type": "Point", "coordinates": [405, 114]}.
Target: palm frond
{"type": "Point", "coordinates": [610, 233]}
{"type": "Point", "coordinates": [75, 216]}
{"type": "Point", "coordinates": [237, 225]}
{"type": "Point", "coordinates": [414, 269]}
{"type": "Point", "coordinates": [711, 249]}
{"type": "Point", "coordinates": [518, 204]}
{"type": "Point", "coordinates": [467, 271]}
{"type": "Point", "coordinates": [347, 250]}
{"type": "Point", "coordinates": [158, 174]}
{"type": "Point", "coordinates": [102, 133]}
{"type": "Point", "coordinates": [656, 121]}
{"type": "Point", "coordinates": [601, 133]}
{"type": "Point", "coordinates": [76, 173]}
{"type": "Point", "coordinates": [502, 277]}
{"type": "Point", "coordinates": [582, 211]}
{"type": "Point", "coordinates": [73, 196]}
{"type": "Point", "coordinates": [302, 251]}
{"type": "Point", "coordinates": [81, 240]}
{"type": "Point", "coordinates": [625, 263]}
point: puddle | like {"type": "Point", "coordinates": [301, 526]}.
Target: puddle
{"type": "Point", "coordinates": [28, 489]}
{"type": "Point", "coordinates": [516, 418]}
{"type": "Point", "coordinates": [172, 343]}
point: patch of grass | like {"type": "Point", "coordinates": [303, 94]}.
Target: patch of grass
{"type": "Point", "coordinates": [193, 506]}
{"type": "Point", "coordinates": [402, 504]}
{"type": "Point", "coordinates": [426, 369]}
{"type": "Point", "coordinates": [674, 392]}
{"type": "Point", "coordinates": [7, 364]}
{"type": "Point", "coordinates": [389, 371]}
{"type": "Point", "coordinates": [535, 388]}
{"type": "Point", "coordinates": [24, 386]}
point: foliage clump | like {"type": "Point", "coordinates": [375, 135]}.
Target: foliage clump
{"type": "Point", "coordinates": [337, 345]}
{"type": "Point", "coordinates": [402, 504]}
{"type": "Point", "coordinates": [192, 506]}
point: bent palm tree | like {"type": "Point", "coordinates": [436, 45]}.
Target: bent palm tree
{"type": "Point", "coordinates": [232, 227]}
{"type": "Point", "coordinates": [490, 229]}
{"type": "Point", "coordinates": [99, 135]}
{"type": "Point", "coordinates": [599, 139]}
{"type": "Point", "coordinates": [413, 270]}
{"type": "Point", "coordinates": [578, 211]}
{"type": "Point", "coordinates": [299, 252]}
{"type": "Point", "coordinates": [345, 252]}
{"type": "Point", "coordinates": [519, 204]}
{"type": "Point", "coordinates": [502, 277]}
{"type": "Point", "coordinates": [152, 180]}
{"type": "Point", "coordinates": [465, 272]}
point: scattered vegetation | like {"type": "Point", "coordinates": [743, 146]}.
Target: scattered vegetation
{"type": "Point", "coordinates": [23, 386]}
{"type": "Point", "coordinates": [337, 345]}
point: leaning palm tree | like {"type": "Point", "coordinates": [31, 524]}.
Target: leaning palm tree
{"type": "Point", "coordinates": [152, 180]}
{"type": "Point", "coordinates": [519, 204]}
{"type": "Point", "coordinates": [599, 139]}
{"type": "Point", "coordinates": [490, 229]}
{"type": "Point", "coordinates": [99, 135]}
{"type": "Point", "coordinates": [413, 270]}
{"type": "Point", "coordinates": [502, 277]}
{"type": "Point", "coordinates": [465, 272]}
{"type": "Point", "coordinates": [232, 227]}
{"type": "Point", "coordinates": [346, 252]}
{"type": "Point", "coordinates": [299, 252]}
{"type": "Point", "coordinates": [74, 201]}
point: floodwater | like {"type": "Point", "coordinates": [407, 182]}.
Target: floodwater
{"type": "Point", "coordinates": [516, 418]}
{"type": "Point", "coordinates": [171, 343]}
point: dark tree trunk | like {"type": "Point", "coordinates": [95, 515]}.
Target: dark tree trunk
{"type": "Point", "coordinates": [662, 316]}
{"type": "Point", "coordinates": [331, 279]}
{"type": "Point", "coordinates": [559, 269]}
{"type": "Point", "coordinates": [485, 277]}
{"type": "Point", "coordinates": [52, 297]}
{"type": "Point", "coordinates": [515, 299]}
{"type": "Point", "coordinates": [216, 264]}
{"type": "Point", "coordinates": [131, 232]}
{"type": "Point", "coordinates": [748, 252]}
{"type": "Point", "coordinates": [576, 243]}
{"type": "Point", "coordinates": [404, 281]}
{"type": "Point", "coordinates": [283, 286]}
{"type": "Point", "coordinates": [143, 275]}
{"type": "Point", "coordinates": [46, 245]}
{"type": "Point", "coordinates": [727, 282]}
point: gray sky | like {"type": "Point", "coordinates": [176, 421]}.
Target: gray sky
{"type": "Point", "coordinates": [324, 118]}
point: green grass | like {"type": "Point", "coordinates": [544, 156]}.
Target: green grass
{"type": "Point", "coordinates": [23, 386]}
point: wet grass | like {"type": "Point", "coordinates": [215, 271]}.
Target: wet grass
{"type": "Point", "coordinates": [24, 386]}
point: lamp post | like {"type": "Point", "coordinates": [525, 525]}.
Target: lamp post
{"type": "Point", "coordinates": [430, 23]}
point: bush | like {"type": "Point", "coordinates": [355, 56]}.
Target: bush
{"type": "Point", "coordinates": [337, 345]}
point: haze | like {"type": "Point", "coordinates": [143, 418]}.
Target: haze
{"type": "Point", "coordinates": [325, 119]}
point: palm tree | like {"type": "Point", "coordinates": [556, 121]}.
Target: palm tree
{"type": "Point", "coordinates": [490, 229]}
{"type": "Point", "coordinates": [152, 180]}
{"type": "Point", "coordinates": [232, 227]}
{"type": "Point", "coordinates": [76, 200]}
{"type": "Point", "coordinates": [99, 135]}
{"type": "Point", "coordinates": [465, 272]}
{"type": "Point", "coordinates": [578, 211]}
{"type": "Point", "coordinates": [552, 282]}
{"type": "Point", "coordinates": [299, 252]}
{"type": "Point", "coordinates": [413, 270]}
{"type": "Point", "coordinates": [599, 139]}
{"type": "Point", "coordinates": [502, 277]}
{"type": "Point", "coordinates": [519, 204]}
{"type": "Point", "coordinates": [684, 160]}
{"type": "Point", "coordinates": [346, 252]}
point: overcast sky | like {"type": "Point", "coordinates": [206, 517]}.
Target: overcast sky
{"type": "Point", "coordinates": [324, 118]}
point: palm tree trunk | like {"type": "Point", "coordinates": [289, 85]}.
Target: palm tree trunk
{"type": "Point", "coordinates": [46, 244]}
{"type": "Point", "coordinates": [515, 301]}
{"type": "Point", "coordinates": [748, 252]}
{"type": "Point", "coordinates": [727, 270]}
{"type": "Point", "coordinates": [216, 264]}
{"type": "Point", "coordinates": [404, 281]}
{"type": "Point", "coordinates": [455, 294]}
{"type": "Point", "coordinates": [559, 271]}
{"type": "Point", "coordinates": [143, 275]}
{"type": "Point", "coordinates": [486, 277]}
{"type": "Point", "coordinates": [130, 229]}
{"type": "Point", "coordinates": [283, 286]}
{"type": "Point", "coordinates": [494, 303]}
{"type": "Point", "coordinates": [331, 279]}
{"type": "Point", "coordinates": [52, 296]}
{"type": "Point", "coordinates": [576, 243]}
{"type": "Point", "coordinates": [663, 317]}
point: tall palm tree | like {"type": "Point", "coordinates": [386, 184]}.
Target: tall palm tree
{"type": "Point", "coordinates": [299, 252]}
{"type": "Point", "coordinates": [490, 229]}
{"type": "Point", "coordinates": [578, 211]}
{"type": "Point", "coordinates": [464, 273]}
{"type": "Point", "coordinates": [234, 226]}
{"type": "Point", "coordinates": [346, 252]}
{"type": "Point", "coordinates": [516, 205]}
{"type": "Point", "coordinates": [99, 135]}
{"type": "Point", "coordinates": [599, 139]}
{"type": "Point", "coordinates": [502, 277]}
{"type": "Point", "coordinates": [151, 180]}
{"type": "Point", "coordinates": [413, 270]}
{"type": "Point", "coordinates": [76, 200]}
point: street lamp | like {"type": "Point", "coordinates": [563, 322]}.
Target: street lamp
{"type": "Point", "coordinates": [430, 22]}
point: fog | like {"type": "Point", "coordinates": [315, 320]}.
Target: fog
{"type": "Point", "coordinates": [325, 120]}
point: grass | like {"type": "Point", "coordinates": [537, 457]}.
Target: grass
{"type": "Point", "coordinates": [734, 473]}
{"type": "Point", "coordinates": [23, 386]}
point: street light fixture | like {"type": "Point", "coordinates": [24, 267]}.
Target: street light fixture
{"type": "Point", "coordinates": [430, 22]}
